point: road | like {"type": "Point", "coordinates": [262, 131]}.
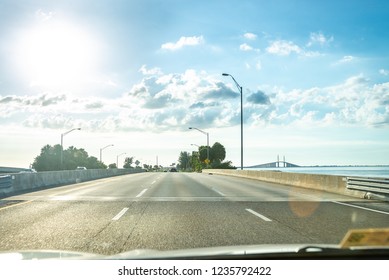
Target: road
{"type": "Point", "coordinates": [165, 211]}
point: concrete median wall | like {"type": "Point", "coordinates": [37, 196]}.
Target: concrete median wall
{"type": "Point", "coordinates": [22, 182]}
{"type": "Point", "coordinates": [328, 183]}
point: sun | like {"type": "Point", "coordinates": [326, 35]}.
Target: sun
{"type": "Point", "coordinates": [56, 54]}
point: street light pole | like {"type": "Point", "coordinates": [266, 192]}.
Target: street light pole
{"type": "Point", "coordinates": [62, 135]}
{"type": "Point", "coordinates": [206, 133]}
{"type": "Point", "coordinates": [101, 151]}
{"type": "Point", "coordinates": [241, 118]}
{"type": "Point", "coordinates": [117, 159]}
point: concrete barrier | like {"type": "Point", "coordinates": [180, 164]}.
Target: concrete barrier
{"type": "Point", "coordinates": [22, 182]}
{"type": "Point", "coordinates": [5, 181]}
{"type": "Point", "coordinates": [328, 183]}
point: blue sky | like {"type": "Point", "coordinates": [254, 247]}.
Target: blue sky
{"type": "Point", "coordinates": [137, 74]}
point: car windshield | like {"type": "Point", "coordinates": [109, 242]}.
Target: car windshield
{"type": "Point", "coordinates": [172, 125]}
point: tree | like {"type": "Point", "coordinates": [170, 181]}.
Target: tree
{"type": "Point", "coordinates": [157, 167]}
{"type": "Point", "coordinates": [94, 163]}
{"type": "Point", "coordinates": [128, 161]}
{"type": "Point", "coordinates": [147, 167]}
{"type": "Point", "coordinates": [73, 157]}
{"type": "Point", "coordinates": [184, 160]}
{"type": "Point", "coordinates": [218, 152]}
{"type": "Point", "coordinates": [112, 166]}
{"type": "Point", "coordinates": [203, 153]}
{"type": "Point", "coordinates": [196, 164]}
{"type": "Point", "coordinates": [50, 159]}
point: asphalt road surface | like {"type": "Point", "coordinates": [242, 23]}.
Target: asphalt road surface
{"type": "Point", "coordinates": [165, 211]}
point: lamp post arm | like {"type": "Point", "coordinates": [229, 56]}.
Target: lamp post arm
{"type": "Point", "coordinates": [101, 151]}
{"type": "Point", "coordinates": [236, 83]}
{"type": "Point", "coordinates": [206, 133]}
{"type": "Point", "coordinates": [62, 135]}
{"type": "Point", "coordinates": [203, 132]}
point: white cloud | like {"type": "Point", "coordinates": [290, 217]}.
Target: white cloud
{"type": "Point", "coordinates": [174, 101]}
{"type": "Point", "coordinates": [384, 72]}
{"type": "Point", "coordinates": [283, 48]}
{"type": "Point", "coordinates": [153, 71]}
{"type": "Point", "coordinates": [319, 38]}
{"type": "Point", "coordinates": [256, 63]}
{"type": "Point", "coordinates": [44, 16]}
{"type": "Point", "coordinates": [245, 47]}
{"type": "Point", "coordinates": [164, 102]}
{"type": "Point", "coordinates": [250, 36]}
{"type": "Point", "coordinates": [353, 102]}
{"type": "Point", "coordinates": [96, 105]}
{"type": "Point", "coordinates": [182, 42]}
{"type": "Point", "coordinates": [346, 59]}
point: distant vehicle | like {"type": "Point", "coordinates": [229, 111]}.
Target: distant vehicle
{"type": "Point", "coordinates": [173, 170]}
{"type": "Point", "coordinates": [28, 170]}
{"type": "Point", "coordinates": [81, 168]}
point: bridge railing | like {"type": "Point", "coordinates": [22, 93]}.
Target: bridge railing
{"type": "Point", "coordinates": [26, 182]}
{"type": "Point", "coordinates": [5, 181]}
{"type": "Point", "coordinates": [371, 185]}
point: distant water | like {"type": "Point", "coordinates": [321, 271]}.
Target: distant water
{"type": "Point", "coordinates": [363, 171]}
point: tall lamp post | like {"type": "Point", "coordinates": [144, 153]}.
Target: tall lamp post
{"type": "Point", "coordinates": [101, 151]}
{"type": "Point", "coordinates": [206, 133]}
{"type": "Point", "coordinates": [117, 159]}
{"type": "Point", "coordinates": [241, 118]}
{"type": "Point", "coordinates": [62, 135]}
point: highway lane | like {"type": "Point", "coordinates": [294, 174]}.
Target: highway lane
{"type": "Point", "coordinates": [178, 210]}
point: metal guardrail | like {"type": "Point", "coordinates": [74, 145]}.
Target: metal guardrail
{"type": "Point", "coordinates": [5, 181]}
{"type": "Point", "coordinates": [372, 185]}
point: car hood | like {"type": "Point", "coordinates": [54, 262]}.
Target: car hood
{"type": "Point", "coordinates": [279, 251]}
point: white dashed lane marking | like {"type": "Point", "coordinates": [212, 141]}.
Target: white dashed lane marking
{"type": "Point", "coordinates": [120, 214]}
{"type": "Point", "coordinates": [259, 215]}
{"type": "Point", "coordinates": [141, 193]}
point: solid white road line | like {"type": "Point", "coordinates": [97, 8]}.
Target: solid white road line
{"type": "Point", "coordinates": [360, 207]}
{"type": "Point", "coordinates": [141, 193]}
{"type": "Point", "coordinates": [258, 215]}
{"type": "Point", "coordinates": [120, 214]}
{"type": "Point", "coordinates": [215, 190]}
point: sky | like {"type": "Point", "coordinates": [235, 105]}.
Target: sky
{"type": "Point", "coordinates": [135, 75]}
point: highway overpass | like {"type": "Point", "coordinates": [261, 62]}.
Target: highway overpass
{"type": "Point", "coordinates": [165, 211]}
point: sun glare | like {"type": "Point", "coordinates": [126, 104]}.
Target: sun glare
{"type": "Point", "coordinates": [56, 54]}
